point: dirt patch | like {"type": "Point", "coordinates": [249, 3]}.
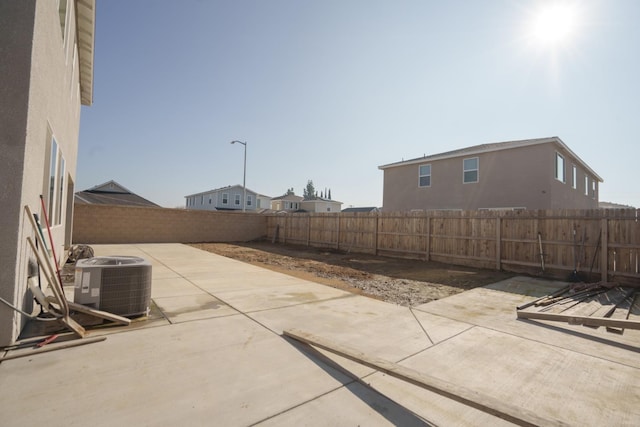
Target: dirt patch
{"type": "Point", "coordinates": [400, 281]}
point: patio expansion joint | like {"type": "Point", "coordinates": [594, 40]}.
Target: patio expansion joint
{"type": "Point", "coordinates": [572, 333]}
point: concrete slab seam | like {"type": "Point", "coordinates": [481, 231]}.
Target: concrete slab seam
{"type": "Point", "coordinates": [573, 333]}
{"type": "Point", "coordinates": [421, 326]}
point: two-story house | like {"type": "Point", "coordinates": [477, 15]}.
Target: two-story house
{"type": "Point", "coordinates": [227, 198]}
{"type": "Point", "coordinates": [46, 64]}
{"type": "Point", "coordinates": [530, 174]}
{"type": "Point", "coordinates": [320, 204]}
{"type": "Point", "coordinates": [288, 203]}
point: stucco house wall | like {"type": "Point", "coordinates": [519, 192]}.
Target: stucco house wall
{"type": "Point", "coordinates": [214, 200]}
{"type": "Point", "coordinates": [321, 205]}
{"type": "Point", "coordinates": [510, 176]}
{"type": "Point", "coordinates": [40, 98]}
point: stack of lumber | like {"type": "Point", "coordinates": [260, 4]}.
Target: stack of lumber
{"type": "Point", "coordinates": [594, 305]}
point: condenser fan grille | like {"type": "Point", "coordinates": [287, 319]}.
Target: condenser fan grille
{"type": "Point", "coordinates": [126, 291]}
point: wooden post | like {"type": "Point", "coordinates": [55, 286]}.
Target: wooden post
{"type": "Point", "coordinates": [428, 249]}
{"type": "Point", "coordinates": [604, 250]}
{"type": "Point", "coordinates": [284, 230]}
{"type": "Point", "coordinates": [498, 243]}
{"type": "Point", "coordinates": [375, 235]}
{"type": "Point", "coordinates": [338, 233]}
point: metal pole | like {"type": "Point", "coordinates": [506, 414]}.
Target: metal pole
{"type": "Point", "coordinates": [244, 180]}
{"type": "Point", "coordinates": [244, 176]}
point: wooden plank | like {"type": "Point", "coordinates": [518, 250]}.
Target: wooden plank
{"type": "Point", "coordinates": [98, 313]}
{"type": "Point", "coordinates": [579, 320]}
{"type": "Point", "coordinates": [485, 403]}
{"type": "Point", "coordinates": [52, 347]}
{"type": "Point", "coordinates": [610, 300]}
{"type": "Point", "coordinates": [621, 312]}
{"type": "Point", "coordinates": [604, 251]}
{"type": "Point", "coordinates": [50, 276]}
{"type": "Point", "coordinates": [498, 244]}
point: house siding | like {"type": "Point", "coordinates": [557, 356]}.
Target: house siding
{"type": "Point", "coordinates": [39, 98]}
{"type": "Point", "coordinates": [521, 177]}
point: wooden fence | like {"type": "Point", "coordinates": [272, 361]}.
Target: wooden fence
{"type": "Point", "coordinates": [600, 244]}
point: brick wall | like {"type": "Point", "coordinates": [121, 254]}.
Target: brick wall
{"type": "Point", "coordinates": [95, 224]}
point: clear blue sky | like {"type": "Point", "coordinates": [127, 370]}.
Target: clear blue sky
{"type": "Point", "coordinates": [328, 90]}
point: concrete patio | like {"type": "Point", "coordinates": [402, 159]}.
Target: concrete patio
{"type": "Point", "coordinates": [211, 353]}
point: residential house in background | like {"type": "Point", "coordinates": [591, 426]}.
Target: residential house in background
{"type": "Point", "coordinates": [530, 174]}
{"type": "Point", "coordinates": [227, 198]}
{"type": "Point", "coordinates": [370, 209]}
{"type": "Point", "coordinates": [288, 203]}
{"type": "Point", "coordinates": [320, 204]}
{"type": "Point", "coordinates": [47, 73]}
{"type": "Point", "coordinates": [111, 193]}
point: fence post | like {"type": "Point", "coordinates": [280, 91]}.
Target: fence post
{"type": "Point", "coordinates": [338, 233]}
{"type": "Point", "coordinates": [604, 251]}
{"type": "Point", "coordinates": [498, 243]}
{"type": "Point", "coordinates": [308, 229]}
{"type": "Point", "coordinates": [284, 231]}
{"type": "Point", "coordinates": [375, 235]}
{"type": "Point", "coordinates": [428, 249]}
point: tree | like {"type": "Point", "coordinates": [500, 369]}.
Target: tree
{"type": "Point", "coordinates": [309, 192]}
{"type": "Point", "coordinates": [329, 196]}
{"type": "Point", "coordinates": [289, 192]}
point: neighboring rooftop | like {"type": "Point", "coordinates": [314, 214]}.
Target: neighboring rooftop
{"type": "Point", "coordinates": [496, 146]}
{"type": "Point", "coordinates": [111, 193]}
{"type": "Point", "coordinates": [365, 209]}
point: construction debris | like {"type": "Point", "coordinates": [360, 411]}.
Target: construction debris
{"type": "Point", "coordinates": [589, 304]}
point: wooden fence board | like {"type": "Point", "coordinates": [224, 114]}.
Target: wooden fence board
{"type": "Point", "coordinates": [605, 242]}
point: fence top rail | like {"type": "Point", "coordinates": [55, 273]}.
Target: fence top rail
{"type": "Point", "coordinates": [558, 214]}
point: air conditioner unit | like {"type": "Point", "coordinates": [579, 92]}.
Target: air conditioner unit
{"type": "Point", "coordinates": [116, 284]}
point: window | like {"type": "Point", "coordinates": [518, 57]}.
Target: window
{"type": "Point", "coordinates": [249, 201]}
{"type": "Point", "coordinates": [574, 178]}
{"type": "Point", "coordinates": [55, 183]}
{"type": "Point", "coordinates": [53, 159]}
{"type": "Point", "coordinates": [237, 200]}
{"type": "Point", "coordinates": [470, 170]}
{"type": "Point", "coordinates": [209, 199]}
{"type": "Point", "coordinates": [202, 199]}
{"type": "Point", "coordinates": [424, 179]}
{"type": "Point", "coordinates": [560, 168]}
{"type": "Point", "coordinates": [586, 185]}
{"type": "Point", "coordinates": [225, 198]}
{"type": "Point", "coordinates": [593, 188]}
{"type": "Point", "coordinates": [60, 198]}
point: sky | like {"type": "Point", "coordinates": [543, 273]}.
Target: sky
{"type": "Point", "coordinates": [328, 90]}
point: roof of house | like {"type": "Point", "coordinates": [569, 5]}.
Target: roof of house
{"type": "Point", "coordinates": [228, 187]}
{"type": "Point", "coordinates": [289, 197]}
{"type": "Point", "coordinates": [365, 209]}
{"type": "Point", "coordinates": [111, 193]}
{"type": "Point", "coordinates": [320, 199]}
{"type": "Point", "coordinates": [496, 146]}
{"type": "Point", "coordinates": [85, 27]}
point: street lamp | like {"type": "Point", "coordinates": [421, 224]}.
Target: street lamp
{"type": "Point", "coordinates": [244, 176]}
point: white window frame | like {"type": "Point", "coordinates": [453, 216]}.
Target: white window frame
{"type": "Point", "coordinates": [55, 180]}
{"type": "Point", "coordinates": [236, 200]}
{"type": "Point", "coordinates": [249, 200]}
{"type": "Point", "coordinates": [586, 185]}
{"type": "Point", "coordinates": [225, 198]}
{"type": "Point", "coordinates": [426, 175]}
{"type": "Point", "coordinates": [562, 179]}
{"type": "Point", "coordinates": [574, 177]}
{"type": "Point", "coordinates": [476, 170]}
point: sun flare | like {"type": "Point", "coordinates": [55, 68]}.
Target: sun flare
{"type": "Point", "coordinates": [554, 23]}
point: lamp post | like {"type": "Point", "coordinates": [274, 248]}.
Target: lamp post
{"type": "Point", "coordinates": [244, 176]}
